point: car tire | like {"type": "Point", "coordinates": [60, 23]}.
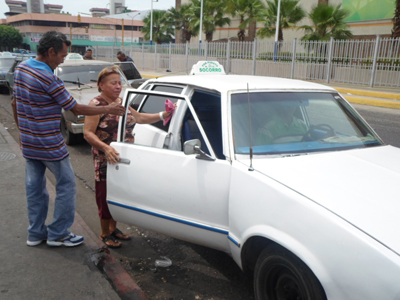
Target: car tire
{"type": "Point", "coordinates": [69, 137]}
{"type": "Point", "coordinates": [280, 275]}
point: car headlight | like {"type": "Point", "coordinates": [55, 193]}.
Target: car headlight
{"type": "Point", "coordinates": [2, 77]}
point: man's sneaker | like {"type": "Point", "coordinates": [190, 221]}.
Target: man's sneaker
{"type": "Point", "coordinates": [70, 240]}
{"type": "Point", "coordinates": [34, 243]}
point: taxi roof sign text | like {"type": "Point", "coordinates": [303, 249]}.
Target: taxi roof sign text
{"type": "Point", "coordinates": [207, 68]}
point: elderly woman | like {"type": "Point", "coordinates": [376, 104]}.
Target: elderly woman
{"type": "Point", "coordinates": [100, 131]}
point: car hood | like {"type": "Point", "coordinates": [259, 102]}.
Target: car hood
{"type": "Point", "coordinates": [4, 70]}
{"type": "Point", "coordinates": [361, 186]}
{"type": "Point", "coordinates": [86, 94]}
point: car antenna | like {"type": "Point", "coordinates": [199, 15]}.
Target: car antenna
{"type": "Point", "coordinates": [251, 130]}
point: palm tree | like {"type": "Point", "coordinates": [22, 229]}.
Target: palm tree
{"type": "Point", "coordinates": [396, 21]}
{"type": "Point", "coordinates": [290, 14]}
{"type": "Point", "coordinates": [248, 12]}
{"type": "Point", "coordinates": [213, 16]}
{"type": "Point", "coordinates": [163, 32]}
{"type": "Point", "coordinates": [180, 18]}
{"type": "Point", "coordinates": [328, 21]}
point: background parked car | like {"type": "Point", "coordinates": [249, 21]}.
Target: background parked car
{"type": "Point", "coordinates": [131, 73]}
{"type": "Point", "coordinates": [10, 72]}
{"type": "Point", "coordinates": [6, 62]}
{"type": "Point", "coordinates": [74, 56]}
{"type": "Point", "coordinates": [5, 53]}
{"type": "Point", "coordinates": [80, 78]}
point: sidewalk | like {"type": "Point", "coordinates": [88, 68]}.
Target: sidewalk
{"type": "Point", "coordinates": [43, 272]}
{"type": "Point", "coordinates": [358, 94]}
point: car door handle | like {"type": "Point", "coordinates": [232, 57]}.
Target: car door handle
{"type": "Point", "coordinates": [124, 161]}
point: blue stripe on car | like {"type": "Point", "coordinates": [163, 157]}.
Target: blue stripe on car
{"type": "Point", "coordinates": [171, 218]}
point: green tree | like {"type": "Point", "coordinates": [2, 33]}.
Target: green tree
{"type": "Point", "coordinates": [327, 21]}
{"type": "Point", "coordinates": [248, 11]}
{"type": "Point", "coordinates": [290, 14]}
{"type": "Point", "coordinates": [9, 37]}
{"type": "Point", "coordinates": [163, 32]}
{"type": "Point", "coordinates": [213, 16]}
{"type": "Point", "coordinates": [396, 21]}
{"type": "Point", "coordinates": [180, 18]}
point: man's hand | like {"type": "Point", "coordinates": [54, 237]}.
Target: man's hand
{"type": "Point", "coordinates": [116, 109]}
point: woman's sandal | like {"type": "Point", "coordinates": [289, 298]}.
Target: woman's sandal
{"type": "Point", "coordinates": [110, 241]}
{"type": "Point", "coordinates": [118, 234]}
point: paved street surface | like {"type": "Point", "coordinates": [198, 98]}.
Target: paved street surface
{"type": "Point", "coordinates": [44, 272]}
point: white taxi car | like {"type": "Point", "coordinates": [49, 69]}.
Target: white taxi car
{"type": "Point", "coordinates": [283, 175]}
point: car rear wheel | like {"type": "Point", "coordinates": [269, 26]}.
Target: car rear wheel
{"type": "Point", "coordinates": [69, 137]}
{"type": "Point", "coordinates": [280, 275]}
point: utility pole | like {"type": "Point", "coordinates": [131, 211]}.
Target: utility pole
{"type": "Point", "coordinates": [122, 32]}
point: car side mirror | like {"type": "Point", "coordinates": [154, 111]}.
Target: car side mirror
{"type": "Point", "coordinates": [194, 147]}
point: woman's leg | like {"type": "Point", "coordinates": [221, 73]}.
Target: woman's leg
{"type": "Point", "coordinates": [104, 214]}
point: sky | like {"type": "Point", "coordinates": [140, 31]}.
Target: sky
{"type": "Point", "coordinates": [83, 6]}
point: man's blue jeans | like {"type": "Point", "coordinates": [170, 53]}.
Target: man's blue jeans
{"type": "Point", "coordinates": [38, 199]}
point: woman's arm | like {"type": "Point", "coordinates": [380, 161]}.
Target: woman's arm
{"type": "Point", "coordinates": [89, 129]}
{"type": "Point", "coordinates": [144, 118]}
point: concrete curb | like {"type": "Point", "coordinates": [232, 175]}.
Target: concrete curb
{"type": "Point", "coordinates": [372, 102]}
{"type": "Point", "coordinates": [119, 278]}
{"type": "Point", "coordinates": [151, 76]}
{"type": "Point", "coordinates": [372, 94]}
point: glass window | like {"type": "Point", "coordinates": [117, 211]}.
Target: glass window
{"type": "Point", "coordinates": [85, 74]}
{"type": "Point", "coordinates": [279, 123]}
{"type": "Point", "coordinates": [129, 70]}
{"type": "Point", "coordinates": [208, 109]}
{"type": "Point", "coordinates": [168, 89]}
{"type": "Point", "coordinates": [151, 105]}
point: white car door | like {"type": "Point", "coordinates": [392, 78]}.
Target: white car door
{"type": "Point", "coordinates": [165, 190]}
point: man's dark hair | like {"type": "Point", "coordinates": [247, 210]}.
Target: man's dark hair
{"type": "Point", "coordinates": [120, 52]}
{"type": "Point", "coordinates": [89, 50]}
{"type": "Point", "coordinates": [52, 39]}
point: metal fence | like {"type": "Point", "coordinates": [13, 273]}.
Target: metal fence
{"type": "Point", "coordinates": [366, 62]}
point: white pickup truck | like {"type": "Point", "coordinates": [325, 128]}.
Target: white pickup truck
{"type": "Point", "coordinates": [283, 175]}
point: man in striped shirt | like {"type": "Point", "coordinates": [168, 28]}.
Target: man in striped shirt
{"type": "Point", "coordinates": [39, 97]}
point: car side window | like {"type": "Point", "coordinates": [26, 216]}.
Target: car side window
{"type": "Point", "coordinates": [154, 104]}
{"type": "Point", "coordinates": [208, 109]}
{"type": "Point", "coordinates": [129, 70]}
{"type": "Point", "coordinates": [155, 134]}
{"type": "Point", "coordinates": [168, 89]}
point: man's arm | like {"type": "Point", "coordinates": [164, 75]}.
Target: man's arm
{"type": "Point", "coordinates": [113, 109]}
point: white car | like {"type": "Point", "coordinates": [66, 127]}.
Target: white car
{"type": "Point", "coordinates": [74, 56]}
{"type": "Point", "coordinates": [80, 79]}
{"type": "Point", "coordinates": [310, 203]}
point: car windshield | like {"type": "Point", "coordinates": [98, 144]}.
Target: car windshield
{"type": "Point", "coordinates": [85, 74]}
{"type": "Point", "coordinates": [296, 122]}
{"type": "Point", "coordinates": [6, 62]}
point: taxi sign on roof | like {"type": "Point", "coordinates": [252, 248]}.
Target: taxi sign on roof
{"type": "Point", "coordinates": [207, 67]}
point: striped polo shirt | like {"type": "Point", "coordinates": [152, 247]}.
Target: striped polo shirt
{"type": "Point", "coordinates": [40, 97]}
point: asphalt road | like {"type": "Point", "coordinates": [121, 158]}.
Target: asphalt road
{"type": "Point", "coordinates": [196, 272]}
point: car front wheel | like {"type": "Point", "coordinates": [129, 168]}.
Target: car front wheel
{"type": "Point", "coordinates": [280, 275]}
{"type": "Point", "coordinates": [69, 137]}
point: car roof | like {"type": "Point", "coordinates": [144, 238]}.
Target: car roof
{"type": "Point", "coordinates": [225, 83]}
{"type": "Point", "coordinates": [79, 62]}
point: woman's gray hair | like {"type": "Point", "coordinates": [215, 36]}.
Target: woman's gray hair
{"type": "Point", "coordinates": [52, 39]}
